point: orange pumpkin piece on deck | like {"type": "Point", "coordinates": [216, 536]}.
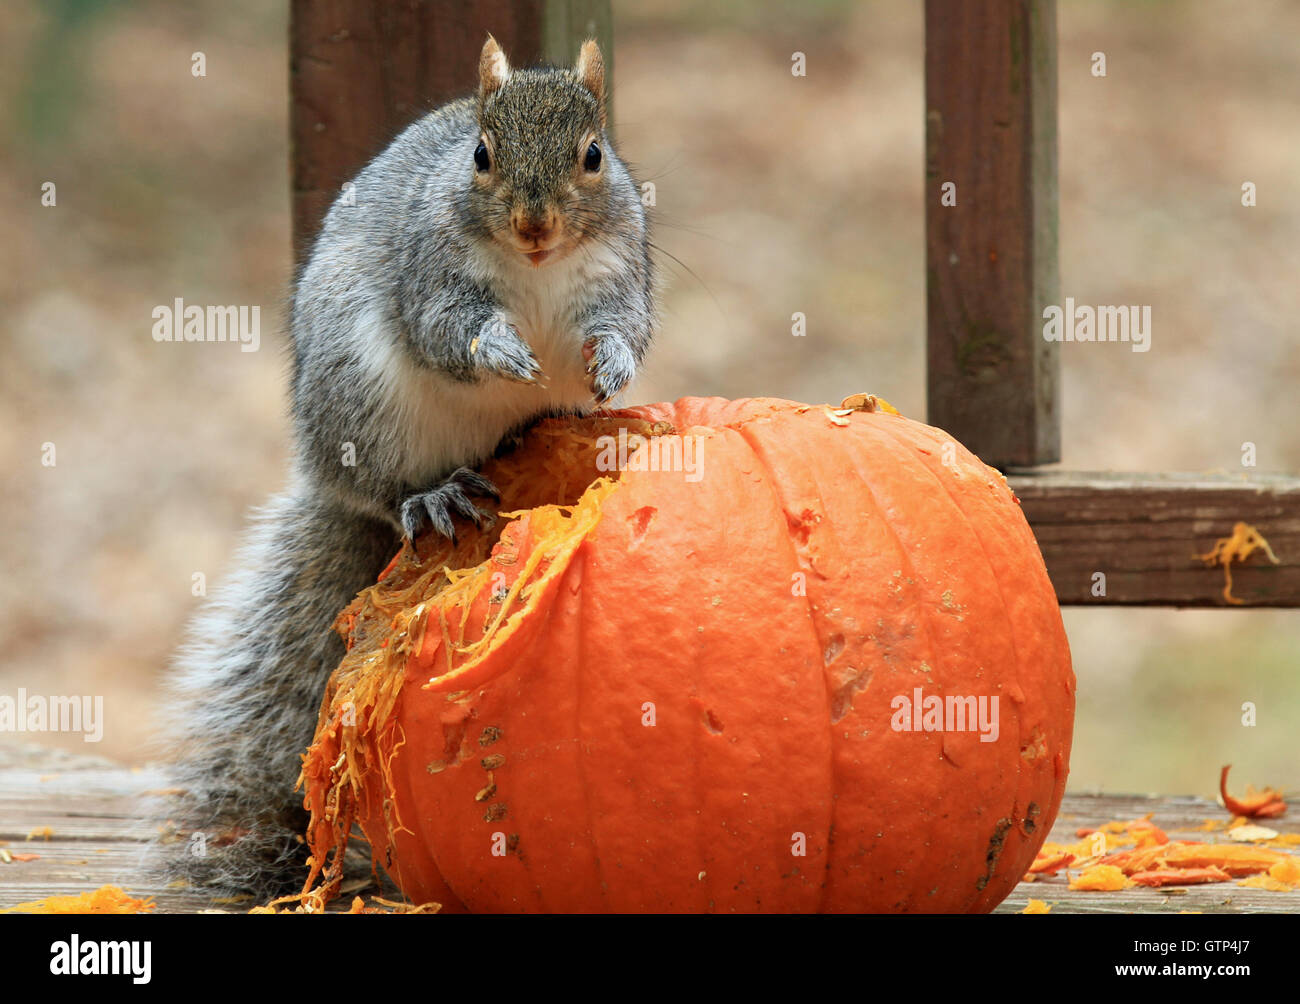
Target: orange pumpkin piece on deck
{"type": "Point", "coordinates": [682, 674]}
{"type": "Point", "coordinates": [1266, 804]}
{"type": "Point", "coordinates": [1234, 859]}
{"type": "Point", "coordinates": [105, 899]}
{"type": "Point", "coordinates": [1180, 876]}
{"type": "Point", "coordinates": [1050, 863]}
{"type": "Point", "coordinates": [1100, 878]}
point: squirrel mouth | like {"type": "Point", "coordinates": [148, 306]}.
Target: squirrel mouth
{"type": "Point", "coordinates": [536, 257]}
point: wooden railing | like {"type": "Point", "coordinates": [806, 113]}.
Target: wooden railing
{"type": "Point", "coordinates": [361, 70]}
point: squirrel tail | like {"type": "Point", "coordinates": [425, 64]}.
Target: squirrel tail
{"type": "Point", "coordinates": [246, 690]}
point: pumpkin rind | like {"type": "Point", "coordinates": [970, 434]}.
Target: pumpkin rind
{"type": "Point", "coordinates": [766, 615]}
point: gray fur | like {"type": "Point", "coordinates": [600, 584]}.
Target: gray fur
{"type": "Point", "coordinates": [421, 338]}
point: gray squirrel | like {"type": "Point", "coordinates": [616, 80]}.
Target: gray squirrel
{"type": "Point", "coordinates": [495, 267]}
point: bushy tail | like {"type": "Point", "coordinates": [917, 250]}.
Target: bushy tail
{"type": "Point", "coordinates": [246, 689]}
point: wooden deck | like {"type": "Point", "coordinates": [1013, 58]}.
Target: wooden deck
{"type": "Point", "coordinates": [89, 804]}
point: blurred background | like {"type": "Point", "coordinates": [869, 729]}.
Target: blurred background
{"type": "Point", "coordinates": [776, 194]}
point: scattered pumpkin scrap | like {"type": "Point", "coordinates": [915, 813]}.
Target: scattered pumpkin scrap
{"type": "Point", "coordinates": [1147, 833]}
{"type": "Point", "coordinates": [868, 402]}
{"type": "Point", "coordinates": [1266, 804]}
{"type": "Point", "coordinates": [1180, 876]}
{"type": "Point", "coordinates": [1094, 843]}
{"type": "Point", "coordinates": [1117, 855]}
{"type": "Point", "coordinates": [309, 904]}
{"type": "Point", "coordinates": [1235, 859]}
{"type": "Point", "coordinates": [1244, 541]}
{"type": "Point", "coordinates": [1100, 878]}
{"type": "Point", "coordinates": [1036, 906]}
{"type": "Point", "coordinates": [1051, 863]}
{"type": "Point", "coordinates": [1282, 877]}
{"type": "Point", "coordinates": [105, 899]}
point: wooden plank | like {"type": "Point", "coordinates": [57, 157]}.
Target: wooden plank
{"type": "Point", "coordinates": [93, 808]}
{"type": "Point", "coordinates": [96, 810]}
{"type": "Point", "coordinates": [361, 70]}
{"type": "Point", "coordinates": [1143, 532]}
{"type": "Point", "coordinates": [991, 259]}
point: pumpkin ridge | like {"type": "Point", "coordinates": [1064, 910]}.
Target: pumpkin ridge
{"type": "Point", "coordinates": [922, 865]}
{"type": "Point", "coordinates": [579, 718]}
{"type": "Point", "coordinates": [423, 834]}
{"type": "Point", "coordinates": [1017, 812]}
{"type": "Point", "coordinates": [754, 442]}
{"type": "Point", "coordinates": [697, 748]}
{"type": "Point", "coordinates": [698, 758]}
{"type": "Point", "coordinates": [988, 560]}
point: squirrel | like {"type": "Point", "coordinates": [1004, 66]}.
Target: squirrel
{"type": "Point", "coordinates": [494, 268]}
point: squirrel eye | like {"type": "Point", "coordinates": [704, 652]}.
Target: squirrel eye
{"type": "Point", "coordinates": [481, 157]}
{"type": "Point", "coordinates": [592, 161]}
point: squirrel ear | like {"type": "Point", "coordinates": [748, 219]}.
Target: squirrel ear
{"type": "Point", "coordinates": [590, 69]}
{"type": "Point", "coordinates": [493, 68]}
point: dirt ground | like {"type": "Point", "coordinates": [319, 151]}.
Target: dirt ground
{"type": "Point", "coordinates": [776, 194]}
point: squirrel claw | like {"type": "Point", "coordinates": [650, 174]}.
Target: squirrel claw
{"type": "Point", "coordinates": [501, 350]}
{"type": "Point", "coordinates": [437, 506]}
{"type": "Point", "coordinates": [475, 483]}
{"type": "Point", "coordinates": [611, 366]}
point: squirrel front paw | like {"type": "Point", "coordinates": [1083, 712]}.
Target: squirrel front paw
{"type": "Point", "coordinates": [610, 364]}
{"type": "Point", "coordinates": [499, 349]}
{"type": "Point", "coordinates": [451, 498]}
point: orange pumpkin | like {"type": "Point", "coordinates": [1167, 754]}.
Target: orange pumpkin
{"type": "Point", "coordinates": [707, 681]}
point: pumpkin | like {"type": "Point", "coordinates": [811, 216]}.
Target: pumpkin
{"type": "Point", "coordinates": [768, 657]}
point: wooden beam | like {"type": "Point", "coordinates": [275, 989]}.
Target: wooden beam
{"type": "Point", "coordinates": [991, 259]}
{"type": "Point", "coordinates": [1143, 532]}
{"type": "Point", "coordinates": [361, 70]}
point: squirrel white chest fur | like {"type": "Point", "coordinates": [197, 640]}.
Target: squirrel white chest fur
{"type": "Point", "coordinates": [437, 421]}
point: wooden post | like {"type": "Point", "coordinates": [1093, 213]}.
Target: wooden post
{"type": "Point", "coordinates": [361, 70]}
{"type": "Point", "coordinates": [991, 259]}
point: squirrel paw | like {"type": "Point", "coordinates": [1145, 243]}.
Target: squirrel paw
{"type": "Point", "coordinates": [499, 349]}
{"type": "Point", "coordinates": [451, 498]}
{"type": "Point", "coordinates": [610, 364]}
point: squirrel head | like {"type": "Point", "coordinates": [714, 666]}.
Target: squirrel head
{"type": "Point", "coordinates": [541, 166]}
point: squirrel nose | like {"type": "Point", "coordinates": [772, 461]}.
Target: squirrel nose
{"type": "Point", "coordinates": [533, 226]}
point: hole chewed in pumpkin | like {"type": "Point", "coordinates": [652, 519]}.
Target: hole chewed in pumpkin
{"type": "Point", "coordinates": [802, 520]}
{"type": "Point", "coordinates": [641, 520]}
{"type": "Point", "coordinates": [995, 851]}
{"type": "Point", "coordinates": [854, 680]}
{"type": "Point", "coordinates": [1035, 746]}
